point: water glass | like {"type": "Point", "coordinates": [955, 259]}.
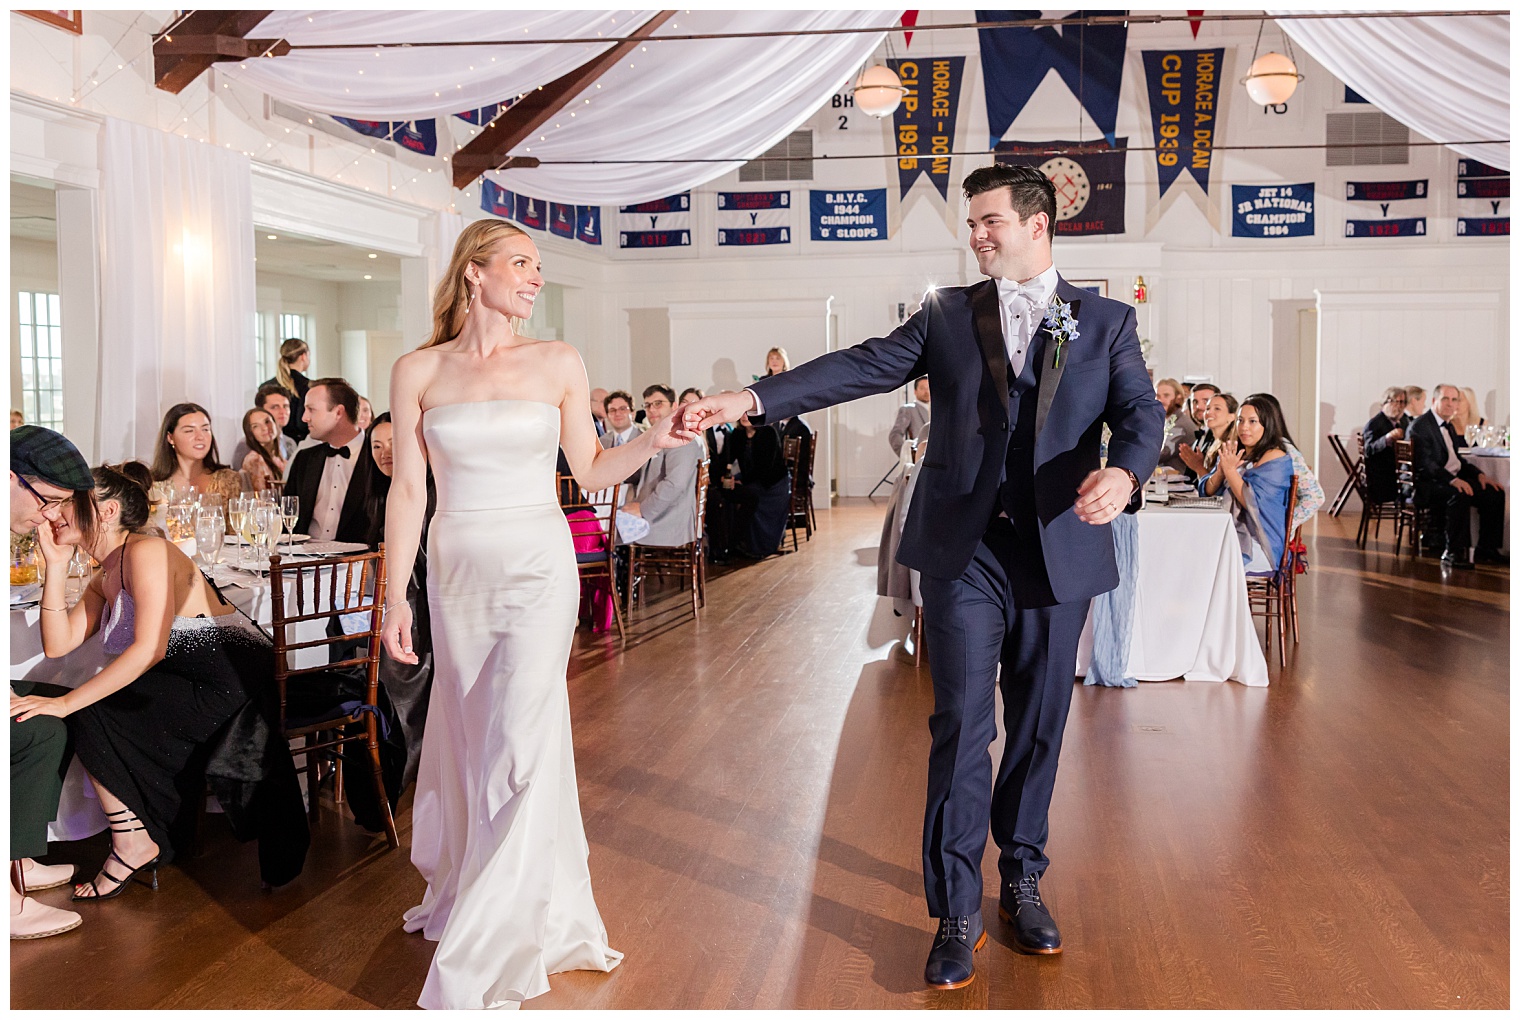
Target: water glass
{"type": "Point", "coordinates": [78, 577]}
{"type": "Point", "coordinates": [210, 532]}
{"type": "Point", "coordinates": [180, 522]}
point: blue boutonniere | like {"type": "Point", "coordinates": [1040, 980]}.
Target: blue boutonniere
{"type": "Point", "coordinates": [1062, 326]}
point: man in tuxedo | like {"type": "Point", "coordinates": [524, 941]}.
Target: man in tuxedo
{"type": "Point", "coordinates": [332, 478]}
{"type": "Point", "coordinates": [1378, 436]}
{"type": "Point", "coordinates": [1008, 529]}
{"type": "Point", "coordinates": [1191, 453]}
{"type": "Point", "coordinates": [1445, 481]}
{"type": "Point", "coordinates": [912, 416]}
{"type": "Point", "coordinates": [1414, 404]}
{"type": "Point", "coordinates": [599, 410]}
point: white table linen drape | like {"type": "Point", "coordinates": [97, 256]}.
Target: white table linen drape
{"type": "Point", "coordinates": [1192, 619]}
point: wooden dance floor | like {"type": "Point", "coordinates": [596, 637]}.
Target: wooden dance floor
{"type": "Point", "coordinates": [753, 795]}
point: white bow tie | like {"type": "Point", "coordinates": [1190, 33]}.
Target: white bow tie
{"type": "Point", "coordinates": [1028, 292]}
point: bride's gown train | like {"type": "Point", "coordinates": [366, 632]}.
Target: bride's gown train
{"type": "Point", "coordinates": [497, 827]}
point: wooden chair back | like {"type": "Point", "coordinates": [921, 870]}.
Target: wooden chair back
{"type": "Point", "coordinates": [593, 522]}
{"type": "Point", "coordinates": [327, 589]}
{"type": "Point", "coordinates": [687, 562]}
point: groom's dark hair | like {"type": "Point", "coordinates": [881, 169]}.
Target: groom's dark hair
{"type": "Point", "coordinates": [1029, 190]}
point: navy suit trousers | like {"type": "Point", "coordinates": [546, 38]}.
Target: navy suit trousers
{"type": "Point", "coordinates": [974, 624]}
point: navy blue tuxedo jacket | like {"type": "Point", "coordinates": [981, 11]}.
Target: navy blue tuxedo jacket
{"type": "Point", "coordinates": [957, 339]}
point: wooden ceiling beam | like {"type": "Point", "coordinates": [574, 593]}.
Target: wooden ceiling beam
{"type": "Point", "coordinates": [198, 39]}
{"type": "Point", "coordinates": [488, 150]}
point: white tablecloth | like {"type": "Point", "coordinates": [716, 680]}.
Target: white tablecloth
{"type": "Point", "coordinates": [79, 813]}
{"type": "Point", "coordinates": [1497, 468]}
{"type": "Point", "coordinates": [1192, 619]}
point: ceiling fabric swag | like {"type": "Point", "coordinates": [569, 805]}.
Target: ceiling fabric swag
{"type": "Point", "coordinates": [696, 99]}
{"type": "Point", "coordinates": [1447, 78]}
{"type": "Point", "coordinates": [406, 84]}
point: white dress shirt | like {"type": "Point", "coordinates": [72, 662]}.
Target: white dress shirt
{"type": "Point", "coordinates": [332, 490]}
{"type": "Point", "coordinates": [1024, 306]}
{"type": "Point", "coordinates": [626, 436]}
{"type": "Point", "coordinates": [1453, 462]}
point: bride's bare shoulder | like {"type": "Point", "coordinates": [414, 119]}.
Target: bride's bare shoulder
{"type": "Point", "coordinates": [414, 369]}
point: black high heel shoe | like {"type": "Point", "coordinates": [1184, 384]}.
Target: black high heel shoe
{"type": "Point", "coordinates": [120, 884]}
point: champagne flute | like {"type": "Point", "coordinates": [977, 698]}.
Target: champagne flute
{"type": "Point", "coordinates": [290, 509]}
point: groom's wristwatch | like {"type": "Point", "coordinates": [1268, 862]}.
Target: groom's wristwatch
{"type": "Point", "coordinates": [1134, 483]}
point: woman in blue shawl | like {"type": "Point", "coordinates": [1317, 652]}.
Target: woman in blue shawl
{"type": "Point", "coordinates": [1259, 473]}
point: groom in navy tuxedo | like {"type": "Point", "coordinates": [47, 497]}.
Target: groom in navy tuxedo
{"type": "Point", "coordinates": [1008, 528]}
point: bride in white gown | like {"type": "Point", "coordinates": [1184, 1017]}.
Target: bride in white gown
{"type": "Point", "coordinates": [496, 827]}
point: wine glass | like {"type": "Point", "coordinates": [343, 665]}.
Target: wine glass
{"type": "Point", "coordinates": [290, 509]}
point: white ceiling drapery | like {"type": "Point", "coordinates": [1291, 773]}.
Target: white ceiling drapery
{"type": "Point", "coordinates": [1447, 78]}
{"type": "Point", "coordinates": [727, 99]}
{"type": "Point", "coordinates": [399, 83]}
{"type": "Point", "coordinates": [700, 99]}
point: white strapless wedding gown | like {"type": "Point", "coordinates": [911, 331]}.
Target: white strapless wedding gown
{"type": "Point", "coordinates": [496, 828]}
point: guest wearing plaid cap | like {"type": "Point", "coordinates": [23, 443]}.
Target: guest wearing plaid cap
{"type": "Point", "coordinates": [46, 472]}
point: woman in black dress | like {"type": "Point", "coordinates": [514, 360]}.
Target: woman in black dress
{"type": "Point", "coordinates": [752, 507]}
{"type": "Point", "coordinates": [186, 664]}
{"type": "Point", "coordinates": [295, 358]}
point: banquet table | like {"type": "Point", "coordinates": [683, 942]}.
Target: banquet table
{"type": "Point", "coordinates": [1191, 617]}
{"type": "Point", "coordinates": [79, 813]}
{"type": "Point", "coordinates": [1494, 464]}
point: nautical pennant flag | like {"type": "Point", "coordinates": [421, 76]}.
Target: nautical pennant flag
{"type": "Point", "coordinates": [754, 217]}
{"type": "Point", "coordinates": [663, 223]}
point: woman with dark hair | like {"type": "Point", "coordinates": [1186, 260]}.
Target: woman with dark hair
{"type": "Point", "coordinates": [186, 457]}
{"type": "Point", "coordinates": [263, 464]}
{"type": "Point", "coordinates": [407, 685]}
{"type": "Point", "coordinates": [1311, 495]}
{"type": "Point", "coordinates": [1219, 419]}
{"type": "Point", "coordinates": [1258, 472]}
{"type": "Point", "coordinates": [749, 513]}
{"type": "Point", "coordinates": [183, 663]}
{"type": "Point", "coordinates": [295, 358]}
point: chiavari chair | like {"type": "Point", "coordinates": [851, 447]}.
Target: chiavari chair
{"type": "Point", "coordinates": [326, 589]}
{"type": "Point", "coordinates": [1274, 596]}
{"type": "Point", "coordinates": [686, 562]}
{"type": "Point", "coordinates": [593, 528]}
{"type": "Point", "coordinates": [1375, 512]}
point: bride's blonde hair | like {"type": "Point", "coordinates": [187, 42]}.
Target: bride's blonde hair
{"type": "Point", "coordinates": [477, 243]}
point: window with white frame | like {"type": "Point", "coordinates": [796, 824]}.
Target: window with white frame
{"type": "Point", "coordinates": [41, 359]}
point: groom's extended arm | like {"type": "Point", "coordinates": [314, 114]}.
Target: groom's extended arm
{"type": "Point", "coordinates": [1135, 418]}
{"type": "Point", "coordinates": [878, 365]}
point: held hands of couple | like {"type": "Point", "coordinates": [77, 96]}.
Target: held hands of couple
{"type": "Point", "coordinates": [1103, 495]}
{"type": "Point", "coordinates": [718, 409]}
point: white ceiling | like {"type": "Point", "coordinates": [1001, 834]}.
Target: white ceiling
{"type": "Point", "coordinates": [293, 255]}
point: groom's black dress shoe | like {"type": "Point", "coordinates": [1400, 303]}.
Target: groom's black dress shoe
{"type": "Point", "coordinates": [1034, 930]}
{"type": "Point", "coordinates": [950, 961]}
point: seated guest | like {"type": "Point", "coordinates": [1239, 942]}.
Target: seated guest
{"type": "Point", "coordinates": [776, 361]}
{"type": "Point", "coordinates": [17, 418]}
{"type": "Point", "coordinates": [665, 494]}
{"type": "Point", "coordinates": [1467, 413]}
{"type": "Point", "coordinates": [912, 417]}
{"type": "Point", "coordinates": [184, 663]}
{"type": "Point", "coordinates": [712, 439]}
{"type": "Point", "coordinates": [1179, 430]}
{"type": "Point", "coordinates": [755, 493]}
{"type": "Point", "coordinates": [1447, 483]}
{"type": "Point", "coordinates": [1219, 428]}
{"type": "Point", "coordinates": [621, 428]}
{"type": "Point", "coordinates": [599, 409]}
{"type": "Point", "coordinates": [186, 458]}
{"type": "Point", "coordinates": [330, 480]}
{"type": "Point", "coordinates": [366, 414]}
{"type": "Point", "coordinates": [46, 472]}
{"type": "Point", "coordinates": [262, 463]}
{"type": "Point", "coordinates": [274, 399]}
{"type": "Point", "coordinates": [1310, 494]}
{"type": "Point", "coordinates": [1258, 472]}
{"type": "Point", "coordinates": [295, 358]}
{"type": "Point", "coordinates": [408, 686]}
{"type": "Point", "coordinates": [1378, 437]}
{"type": "Point", "coordinates": [1414, 404]}
{"type": "Point", "coordinates": [1195, 409]}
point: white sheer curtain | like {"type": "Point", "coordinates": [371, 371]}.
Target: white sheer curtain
{"type": "Point", "coordinates": [405, 84]}
{"type": "Point", "coordinates": [1447, 78]}
{"type": "Point", "coordinates": [729, 99]}
{"type": "Point", "coordinates": [177, 286]}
